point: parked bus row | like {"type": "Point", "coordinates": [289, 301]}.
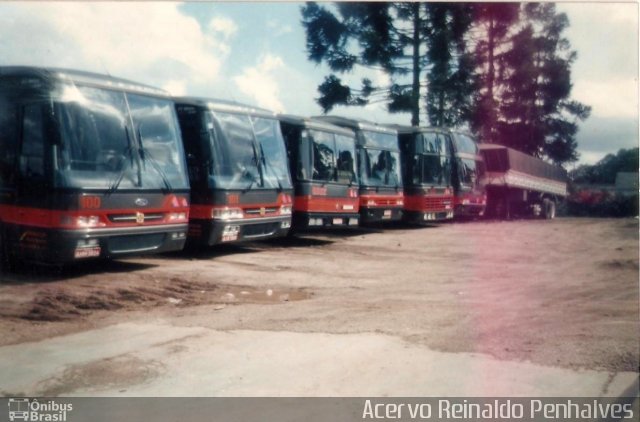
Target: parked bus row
{"type": "Point", "coordinates": [97, 166]}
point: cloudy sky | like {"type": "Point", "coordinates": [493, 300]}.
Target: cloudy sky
{"type": "Point", "coordinates": [255, 53]}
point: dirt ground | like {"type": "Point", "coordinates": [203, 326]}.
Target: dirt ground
{"type": "Point", "coordinates": [560, 293]}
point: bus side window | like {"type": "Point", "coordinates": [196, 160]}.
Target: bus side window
{"type": "Point", "coordinates": [32, 153]}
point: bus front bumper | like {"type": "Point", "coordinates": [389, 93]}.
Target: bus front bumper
{"type": "Point", "coordinates": [302, 220]}
{"type": "Point", "coordinates": [213, 232]}
{"type": "Point", "coordinates": [65, 246]}
{"type": "Point", "coordinates": [422, 217]}
{"type": "Point", "coordinates": [379, 215]}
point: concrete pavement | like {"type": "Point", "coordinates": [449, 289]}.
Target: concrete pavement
{"type": "Point", "coordinates": [157, 358]}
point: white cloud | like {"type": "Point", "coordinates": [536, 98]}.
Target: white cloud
{"type": "Point", "coordinates": [608, 97]}
{"type": "Point", "coordinates": [148, 42]}
{"type": "Point", "coordinates": [590, 157]}
{"type": "Point", "coordinates": [175, 87]}
{"type": "Point", "coordinates": [278, 28]}
{"type": "Point", "coordinates": [605, 75]}
{"type": "Point", "coordinates": [381, 78]}
{"type": "Point", "coordinates": [606, 71]}
{"type": "Point", "coordinates": [260, 82]}
{"type": "Point", "coordinates": [225, 26]}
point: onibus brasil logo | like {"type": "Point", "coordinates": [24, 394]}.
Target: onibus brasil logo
{"type": "Point", "coordinates": [33, 410]}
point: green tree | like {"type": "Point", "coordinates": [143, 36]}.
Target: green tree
{"type": "Point", "coordinates": [450, 78]}
{"type": "Point", "coordinates": [536, 114]}
{"type": "Point", "coordinates": [416, 44]}
{"type": "Point", "coordinates": [490, 39]}
{"type": "Point", "coordinates": [605, 170]}
{"type": "Point", "coordinates": [377, 35]}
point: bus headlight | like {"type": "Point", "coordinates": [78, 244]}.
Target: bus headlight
{"type": "Point", "coordinates": [285, 210]}
{"type": "Point", "coordinates": [178, 216]}
{"type": "Point", "coordinates": [226, 213]}
{"type": "Point", "coordinates": [82, 221]}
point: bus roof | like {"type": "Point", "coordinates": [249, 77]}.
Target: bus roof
{"type": "Point", "coordinates": [223, 105]}
{"type": "Point", "coordinates": [357, 124]}
{"type": "Point", "coordinates": [80, 77]}
{"type": "Point", "coordinates": [423, 129]}
{"type": "Point", "coordinates": [313, 123]}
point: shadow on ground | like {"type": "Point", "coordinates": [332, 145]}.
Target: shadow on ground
{"type": "Point", "coordinates": [23, 272]}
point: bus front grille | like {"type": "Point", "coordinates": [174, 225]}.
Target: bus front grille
{"type": "Point", "coordinates": [253, 212]}
{"type": "Point", "coordinates": [136, 217]}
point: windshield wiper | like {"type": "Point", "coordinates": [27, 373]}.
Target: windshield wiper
{"type": "Point", "coordinates": [127, 155]}
{"type": "Point", "coordinates": [264, 162]}
{"type": "Point", "coordinates": [145, 155]}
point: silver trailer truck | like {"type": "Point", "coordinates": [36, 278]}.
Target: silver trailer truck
{"type": "Point", "coordinates": [518, 184]}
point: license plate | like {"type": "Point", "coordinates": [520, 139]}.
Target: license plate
{"type": "Point", "coordinates": [337, 221]}
{"type": "Point", "coordinates": [87, 252]}
{"type": "Point", "coordinates": [229, 237]}
{"type": "Point", "coordinates": [387, 214]}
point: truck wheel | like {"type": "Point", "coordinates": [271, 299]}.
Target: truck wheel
{"type": "Point", "coordinates": [548, 209]}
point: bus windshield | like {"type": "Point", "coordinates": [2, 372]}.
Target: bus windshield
{"type": "Point", "coordinates": [113, 140]}
{"type": "Point", "coordinates": [431, 162]}
{"type": "Point", "coordinates": [470, 172]}
{"type": "Point", "coordinates": [379, 159]}
{"type": "Point", "coordinates": [345, 159]}
{"type": "Point", "coordinates": [465, 144]}
{"type": "Point", "coordinates": [333, 156]}
{"type": "Point", "coordinates": [380, 139]}
{"type": "Point", "coordinates": [247, 152]}
{"type": "Point", "coordinates": [272, 152]}
{"type": "Point", "coordinates": [380, 167]}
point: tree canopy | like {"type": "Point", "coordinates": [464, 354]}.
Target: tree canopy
{"type": "Point", "coordinates": [605, 170]}
{"type": "Point", "coordinates": [501, 69]}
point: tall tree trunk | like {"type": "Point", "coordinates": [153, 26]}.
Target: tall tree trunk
{"type": "Point", "coordinates": [490, 126]}
{"type": "Point", "coordinates": [415, 86]}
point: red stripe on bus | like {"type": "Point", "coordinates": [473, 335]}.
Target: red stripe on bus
{"type": "Point", "coordinates": [473, 198]}
{"type": "Point", "coordinates": [324, 204]}
{"type": "Point", "coordinates": [57, 219]}
{"type": "Point", "coordinates": [428, 202]}
{"type": "Point", "coordinates": [381, 200]}
{"type": "Point", "coordinates": [205, 211]}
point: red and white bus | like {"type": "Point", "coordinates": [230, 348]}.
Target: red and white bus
{"type": "Point", "coordinates": [468, 171]}
{"type": "Point", "coordinates": [322, 160]}
{"type": "Point", "coordinates": [91, 166]}
{"type": "Point", "coordinates": [379, 169]}
{"type": "Point", "coordinates": [426, 170]}
{"type": "Point", "coordinates": [240, 183]}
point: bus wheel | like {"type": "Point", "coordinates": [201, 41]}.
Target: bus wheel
{"type": "Point", "coordinates": [549, 209]}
